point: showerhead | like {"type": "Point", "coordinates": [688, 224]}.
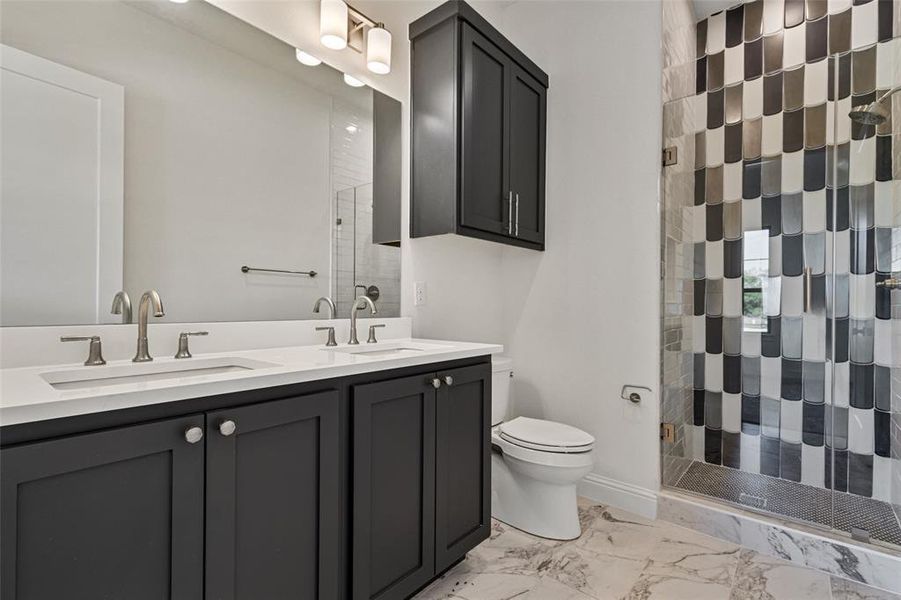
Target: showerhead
{"type": "Point", "coordinates": [874, 113]}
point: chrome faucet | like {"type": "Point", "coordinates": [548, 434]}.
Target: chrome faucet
{"type": "Point", "coordinates": [367, 301]}
{"type": "Point", "coordinates": [122, 306]}
{"type": "Point", "coordinates": [331, 306]}
{"type": "Point", "coordinates": [149, 297]}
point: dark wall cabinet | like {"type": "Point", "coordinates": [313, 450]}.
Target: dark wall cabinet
{"type": "Point", "coordinates": [421, 478]}
{"type": "Point", "coordinates": [479, 110]}
{"type": "Point", "coordinates": [364, 487]}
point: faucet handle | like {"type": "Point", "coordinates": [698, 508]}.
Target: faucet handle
{"type": "Point", "coordinates": [372, 329]}
{"type": "Point", "coordinates": [95, 350]}
{"type": "Point", "coordinates": [183, 350]}
{"type": "Point", "coordinates": [331, 335]}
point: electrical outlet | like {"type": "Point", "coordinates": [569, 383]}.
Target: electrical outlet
{"type": "Point", "coordinates": [419, 293]}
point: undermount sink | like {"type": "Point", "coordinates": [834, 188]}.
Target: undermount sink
{"type": "Point", "coordinates": [92, 377]}
{"type": "Point", "coordinates": [386, 349]}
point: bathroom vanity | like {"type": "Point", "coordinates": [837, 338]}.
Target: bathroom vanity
{"type": "Point", "coordinates": [320, 474]}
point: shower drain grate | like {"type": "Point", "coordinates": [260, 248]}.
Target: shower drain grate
{"type": "Point", "coordinates": [794, 500]}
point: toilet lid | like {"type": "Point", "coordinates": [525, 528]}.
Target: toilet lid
{"type": "Point", "coordinates": [545, 435]}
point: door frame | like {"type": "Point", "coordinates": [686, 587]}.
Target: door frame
{"type": "Point", "coordinates": [110, 200]}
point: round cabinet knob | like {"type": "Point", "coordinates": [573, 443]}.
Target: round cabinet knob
{"type": "Point", "coordinates": [436, 383]}
{"type": "Point", "coordinates": [448, 380]}
{"type": "Point", "coordinates": [227, 427]}
{"type": "Point", "coordinates": [193, 434]}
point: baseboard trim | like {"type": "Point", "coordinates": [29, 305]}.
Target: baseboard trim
{"type": "Point", "coordinates": [619, 494]}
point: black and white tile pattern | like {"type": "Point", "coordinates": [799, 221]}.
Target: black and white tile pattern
{"type": "Point", "coordinates": [775, 151]}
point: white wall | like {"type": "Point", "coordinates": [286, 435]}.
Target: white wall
{"type": "Point", "coordinates": [581, 319]}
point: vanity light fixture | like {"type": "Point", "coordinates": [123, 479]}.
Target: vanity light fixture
{"type": "Point", "coordinates": [352, 81]}
{"type": "Point", "coordinates": [333, 24]}
{"type": "Point", "coordinates": [378, 50]}
{"type": "Point", "coordinates": [351, 129]}
{"type": "Point", "coordinates": [306, 59]}
{"type": "Point", "coordinates": [342, 26]}
{"type": "Point", "coordinates": [178, 1]}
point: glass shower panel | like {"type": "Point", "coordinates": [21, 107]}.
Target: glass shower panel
{"type": "Point", "coordinates": [376, 266]}
{"type": "Point", "coordinates": [362, 267]}
{"type": "Point", "coordinates": [345, 246]}
{"type": "Point", "coordinates": [865, 471]}
{"type": "Point", "coordinates": [781, 246]}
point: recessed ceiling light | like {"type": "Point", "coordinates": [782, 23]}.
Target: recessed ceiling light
{"type": "Point", "coordinates": [351, 128]}
{"type": "Point", "coordinates": [178, 1]}
{"type": "Point", "coordinates": [306, 59]}
{"type": "Point", "coordinates": [352, 81]}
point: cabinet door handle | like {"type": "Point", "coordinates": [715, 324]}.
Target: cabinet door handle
{"type": "Point", "coordinates": [516, 230]}
{"type": "Point", "coordinates": [436, 383]}
{"type": "Point", "coordinates": [510, 213]}
{"type": "Point", "coordinates": [193, 434]}
{"type": "Point", "coordinates": [227, 428]}
{"type": "Point", "coordinates": [448, 380]}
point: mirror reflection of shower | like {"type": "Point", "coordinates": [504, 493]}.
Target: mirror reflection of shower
{"type": "Point", "coordinates": [363, 268]}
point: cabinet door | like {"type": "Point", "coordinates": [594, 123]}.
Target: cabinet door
{"type": "Point", "coordinates": [485, 190]}
{"type": "Point", "coordinates": [272, 500]}
{"type": "Point", "coordinates": [112, 514]}
{"type": "Point", "coordinates": [463, 472]}
{"type": "Point", "coordinates": [528, 113]}
{"type": "Point", "coordinates": [393, 487]}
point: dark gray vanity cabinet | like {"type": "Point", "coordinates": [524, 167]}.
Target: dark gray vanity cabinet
{"type": "Point", "coordinates": [462, 459]}
{"type": "Point", "coordinates": [122, 513]}
{"type": "Point", "coordinates": [113, 514]}
{"type": "Point", "coordinates": [364, 486]}
{"type": "Point", "coordinates": [272, 482]}
{"type": "Point", "coordinates": [421, 478]}
{"type": "Point", "coordinates": [479, 110]}
{"type": "Point", "coordinates": [394, 487]}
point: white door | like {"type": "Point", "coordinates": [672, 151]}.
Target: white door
{"type": "Point", "coordinates": [61, 200]}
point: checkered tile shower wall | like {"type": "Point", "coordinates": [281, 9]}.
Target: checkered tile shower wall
{"type": "Point", "coordinates": [771, 78]}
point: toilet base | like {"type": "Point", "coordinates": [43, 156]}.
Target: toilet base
{"type": "Point", "coordinates": [542, 508]}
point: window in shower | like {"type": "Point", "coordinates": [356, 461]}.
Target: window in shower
{"type": "Point", "coordinates": [755, 272]}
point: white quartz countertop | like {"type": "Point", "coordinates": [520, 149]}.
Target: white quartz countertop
{"type": "Point", "coordinates": [27, 394]}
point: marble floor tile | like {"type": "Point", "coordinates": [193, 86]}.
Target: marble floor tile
{"type": "Point", "coordinates": [597, 575]}
{"type": "Point", "coordinates": [843, 589]}
{"type": "Point", "coordinates": [761, 577]}
{"type": "Point", "coordinates": [621, 556]}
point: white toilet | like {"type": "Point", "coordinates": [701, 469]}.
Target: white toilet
{"type": "Point", "coordinates": [535, 466]}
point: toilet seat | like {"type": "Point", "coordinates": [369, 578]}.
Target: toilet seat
{"type": "Point", "coordinates": [545, 436]}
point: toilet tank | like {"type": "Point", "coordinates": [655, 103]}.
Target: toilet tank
{"type": "Point", "coordinates": [501, 374]}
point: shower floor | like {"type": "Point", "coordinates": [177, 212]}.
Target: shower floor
{"type": "Point", "coordinates": [794, 500]}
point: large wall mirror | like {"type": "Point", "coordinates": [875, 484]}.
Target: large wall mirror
{"type": "Point", "coordinates": [159, 145]}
